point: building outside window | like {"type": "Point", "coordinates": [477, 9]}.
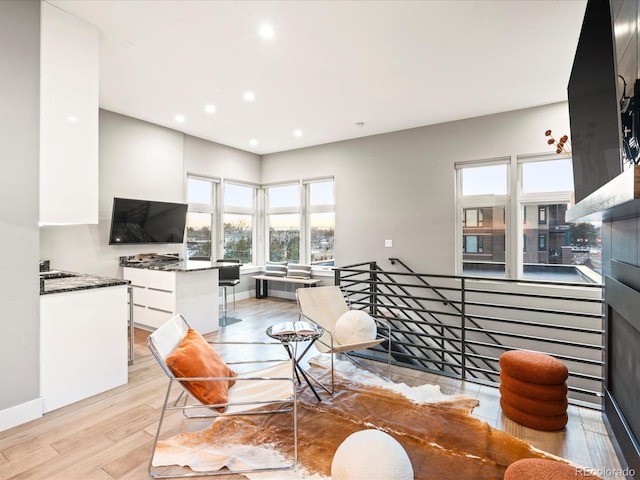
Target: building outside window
{"type": "Point", "coordinates": [201, 195]}
{"type": "Point", "coordinates": [238, 222]}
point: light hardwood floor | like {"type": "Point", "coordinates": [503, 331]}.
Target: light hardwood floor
{"type": "Point", "coordinates": [109, 436]}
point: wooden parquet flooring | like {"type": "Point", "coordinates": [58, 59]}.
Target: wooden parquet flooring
{"type": "Point", "coordinates": [109, 436]}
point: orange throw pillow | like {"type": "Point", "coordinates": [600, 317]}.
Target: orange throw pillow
{"type": "Point", "coordinates": [194, 357]}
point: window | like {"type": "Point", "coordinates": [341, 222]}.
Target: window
{"type": "Point", "coordinates": [542, 242]}
{"type": "Point", "coordinates": [300, 220]}
{"type": "Point", "coordinates": [473, 217]}
{"type": "Point", "coordinates": [283, 221]}
{"type": "Point", "coordinates": [472, 244]}
{"type": "Point", "coordinates": [200, 217]}
{"type": "Point", "coordinates": [542, 214]}
{"type": "Point", "coordinates": [536, 209]}
{"type": "Point", "coordinates": [321, 221]}
{"type": "Point", "coordinates": [482, 226]}
{"type": "Point", "coordinates": [238, 222]}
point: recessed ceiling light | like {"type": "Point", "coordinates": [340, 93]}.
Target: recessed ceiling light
{"type": "Point", "coordinates": [253, 142]}
{"type": "Point", "coordinates": [266, 31]}
{"type": "Point", "coordinates": [249, 96]}
{"type": "Point", "coordinates": [179, 118]}
{"type": "Point", "coordinates": [72, 118]}
{"type": "Point", "coordinates": [210, 108]}
{"type": "Point", "coordinates": [297, 132]}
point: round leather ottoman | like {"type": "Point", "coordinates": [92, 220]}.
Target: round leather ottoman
{"type": "Point", "coordinates": [531, 420]}
{"type": "Point", "coordinates": [533, 367]}
{"type": "Point", "coordinates": [533, 390]}
{"type": "Point", "coordinates": [542, 469]}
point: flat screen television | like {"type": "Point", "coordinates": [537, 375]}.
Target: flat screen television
{"type": "Point", "coordinates": [145, 221]}
{"type": "Point", "coordinates": [594, 112]}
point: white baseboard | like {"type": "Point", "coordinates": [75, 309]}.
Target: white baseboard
{"type": "Point", "coordinates": [19, 414]}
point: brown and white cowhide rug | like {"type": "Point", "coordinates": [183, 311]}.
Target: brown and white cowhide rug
{"type": "Point", "coordinates": [441, 437]}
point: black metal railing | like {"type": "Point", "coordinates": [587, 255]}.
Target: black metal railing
{"type": "Point", "coordinates": [459, 326]}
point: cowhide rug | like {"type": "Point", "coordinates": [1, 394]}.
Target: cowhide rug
{"type": "Point", "coordinates": [441, 437]}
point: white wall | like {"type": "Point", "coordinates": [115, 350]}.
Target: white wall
{"type": "Point", "coordinates": [19, 163]}
{"type": "Point", "coordinates": [141, 160]}
{"type": "Point", "coordinates": [401, 186]}
{"type": "Point", "coordinates": [215, 160]}
{"type": "Point", "coordinates": [398, 186]}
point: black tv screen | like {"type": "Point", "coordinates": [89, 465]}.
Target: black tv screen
{"type": "Point", "coordinates": [145, 221]}
{"type": "Point", "coordinates": [596, 135]}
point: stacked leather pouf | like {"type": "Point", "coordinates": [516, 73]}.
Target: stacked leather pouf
{"type": "Point", "coordinates": [533, 389]}
{"type": "Point", "coordinates": [542, 469]}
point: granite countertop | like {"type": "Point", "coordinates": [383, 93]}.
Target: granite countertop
{"type": "Point", "coordinates": [58, 281]}
{"type": "Point", "coordinates": [172, 265]}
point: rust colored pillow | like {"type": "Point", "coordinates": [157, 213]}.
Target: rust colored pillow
{"type": "Point", "coordinates": [194, 357]}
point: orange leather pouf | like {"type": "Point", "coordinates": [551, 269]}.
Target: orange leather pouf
{"type": "Point", "coordinates": [542, 469]}
{"type": "Point", "coordinates": [533, 367]}
{"type": "Point", "coordinates": [533, 389]}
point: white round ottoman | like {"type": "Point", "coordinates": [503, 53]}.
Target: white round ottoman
{"type": "Point", "coordinates": [370, 454]}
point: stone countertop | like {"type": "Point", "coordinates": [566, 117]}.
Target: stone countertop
{"type": "Point", "coordinates": [59, 281]}
{"type": "Point", "coordinates": [174, 265]}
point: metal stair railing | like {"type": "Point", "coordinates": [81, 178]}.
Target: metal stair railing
{"type": "Point", "coordinates": [446, 337]}
{"type": "Point", "coordinates": [458, 326]}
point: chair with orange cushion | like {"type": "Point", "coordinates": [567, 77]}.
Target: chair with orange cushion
{"type": "Point", "coordinates": [207, 387]}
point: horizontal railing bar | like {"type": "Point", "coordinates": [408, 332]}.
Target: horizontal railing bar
{"type": "Point", "coordinates": [535, 310]}
{"type": "Point", "coordinates": [553, 341]}
{"type": "Point", "coordinates": [551, 326]}
{"type": "Point", "coordinates": [473, 279]}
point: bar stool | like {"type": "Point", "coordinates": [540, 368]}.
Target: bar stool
{"type": "Point", "coordinates": [228, 276]}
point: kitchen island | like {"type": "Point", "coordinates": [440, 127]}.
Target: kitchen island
{"type": "Point", "coordinates": [83, 336]}
{"type": "Point", "coordinates": [165, 287]}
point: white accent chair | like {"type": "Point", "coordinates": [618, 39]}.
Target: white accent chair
{"type": "Point", "coordinates": [252, 394]}
{"type": "Point", "coordinates": [324, 306]}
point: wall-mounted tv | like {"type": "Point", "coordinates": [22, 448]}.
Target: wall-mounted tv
{"type": "Point", "coordinates": [145, 221]}
{"type": "Point", "coordinates": [596, 135]}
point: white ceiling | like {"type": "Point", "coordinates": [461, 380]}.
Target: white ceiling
{"type": "Point", "coordinates": [330, 65]}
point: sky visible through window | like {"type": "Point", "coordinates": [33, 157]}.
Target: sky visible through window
{"type": "Point", "coordinates": [547, 176]}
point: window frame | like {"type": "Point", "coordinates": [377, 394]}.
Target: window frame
{"type": "Point", "coordinates": [309, 209]}
{"type": "Point", "coordinates": [514, 203]}
{"type": "Point", "coordinates": [211, 208]}
{"type": "Point", "coordinates": [239, 210]}
{"type": "Point", "coordinates": [479, 202]}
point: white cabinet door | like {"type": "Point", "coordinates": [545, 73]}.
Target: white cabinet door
{"type": "Point", "coordinates": [68, 119]}
{"type": "Point", "coordinates": [83, 344]}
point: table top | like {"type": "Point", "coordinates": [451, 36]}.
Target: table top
{"type": "Point", "coordinates": [295, 337]}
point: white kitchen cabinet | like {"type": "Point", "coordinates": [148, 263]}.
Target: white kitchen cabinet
{"type": "Point", "coordinates": [83, 344]}
{"type": "Point", "coordinates": [69, 54]}
{"type": "Point", "coordinates": [158, 295]}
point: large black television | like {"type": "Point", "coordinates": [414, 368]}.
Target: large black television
{"type": "Point", "coordinates": [145, 221]}
{"type": "Point", "coordinates": [594, 111]}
